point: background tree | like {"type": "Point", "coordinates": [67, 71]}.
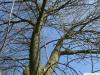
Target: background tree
{"type": "Point", "coordinates": [26, 42]}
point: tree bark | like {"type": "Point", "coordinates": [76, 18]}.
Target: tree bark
{"type": "Point", "coordinates": [34, 53]}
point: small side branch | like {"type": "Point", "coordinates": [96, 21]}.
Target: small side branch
{"type": "Point", "coordinates": [71, 52]}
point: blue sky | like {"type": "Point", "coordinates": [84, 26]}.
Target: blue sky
{"type": "Point", "coordinates": [49, 33]}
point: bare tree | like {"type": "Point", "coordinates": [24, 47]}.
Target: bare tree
{"type": "Point", "coordinates": [44, 37]}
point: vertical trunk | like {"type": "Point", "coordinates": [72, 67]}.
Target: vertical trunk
{"type": "Point", "coordinates": [35, 47]}
{"type": "Point", "coordinates": [34, 54]}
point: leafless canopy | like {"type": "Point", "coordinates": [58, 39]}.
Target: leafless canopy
{"type": "Point", "coordinates": [66, 32]}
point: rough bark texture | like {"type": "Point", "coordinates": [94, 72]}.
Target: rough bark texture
{"type": "Point", "coordinates": [34, 54]}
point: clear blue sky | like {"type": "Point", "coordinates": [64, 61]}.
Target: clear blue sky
{"type": "Point", "coordinates": [51, 34]}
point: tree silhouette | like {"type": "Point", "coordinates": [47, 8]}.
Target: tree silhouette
{"type": "Point", "coordinates": [41, 36]}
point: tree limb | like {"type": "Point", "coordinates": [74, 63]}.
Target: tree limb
{"type": "Point", "coordinates": [71, 52]}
